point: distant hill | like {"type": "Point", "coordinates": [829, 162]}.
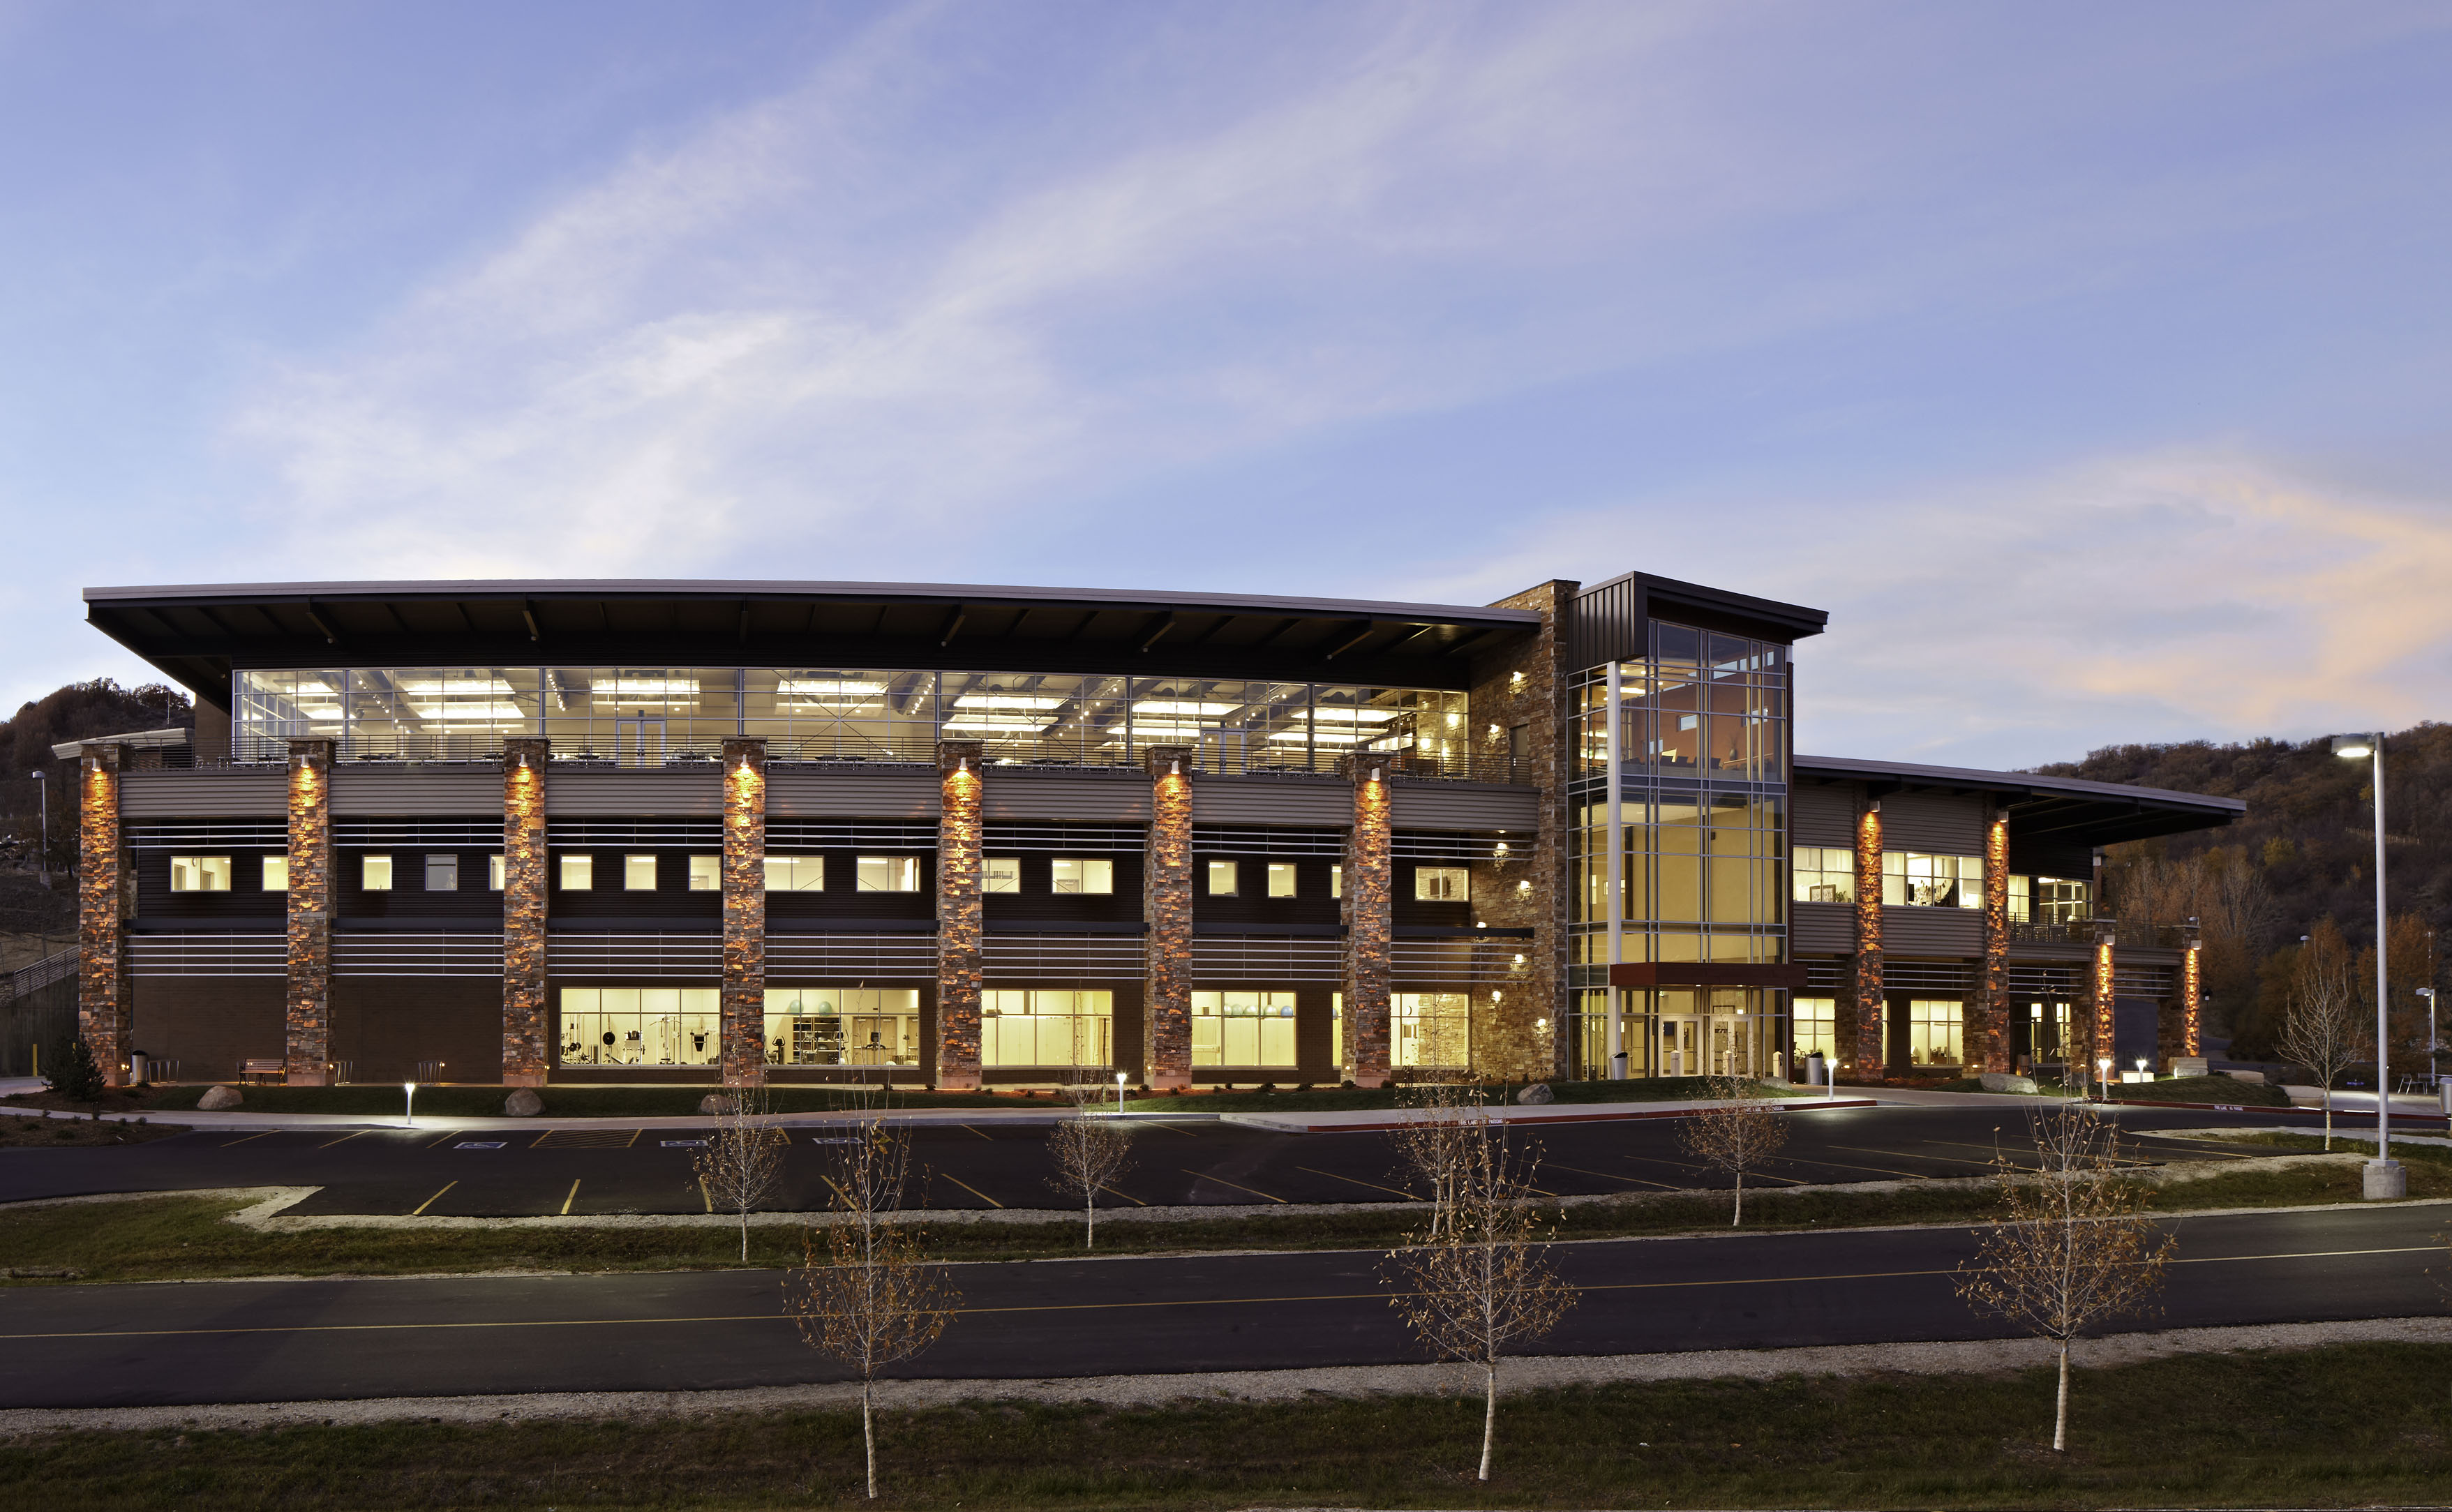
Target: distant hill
{"type": "Point", "coordinates": [77, 712]}
{"type": "Point", "coordinates": [2304, 853]}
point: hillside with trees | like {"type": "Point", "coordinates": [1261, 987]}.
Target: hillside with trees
{"type": "Point", "coordinates": [2299, 864]}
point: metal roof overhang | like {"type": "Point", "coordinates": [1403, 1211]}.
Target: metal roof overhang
{"type": "Point", "coordinates": [2087, 813]}
{"type": "Point", "coordinates": [198, 635]}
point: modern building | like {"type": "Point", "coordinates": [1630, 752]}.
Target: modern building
{"type": "Point", "coordinates": [954, 835]}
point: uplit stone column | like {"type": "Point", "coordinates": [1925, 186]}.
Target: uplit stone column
{"type": "Point", "coordinates": [104, 998]}
{"type": "Point", "coordinates": [306, 1018]}
{"type": "Point", "coordinates": [2099, 998]}
{"type": "Point", "coordinates": [527, 1051]}
{"type": "Point", "coordinates": [744, 912]}
{"type": "Point", "coordinates": [1860, 1013]}
{"type": "Point", "coordinates": [1166, 912]}
{"type": "Point", "coordinates": [961, 908]}
{"type": "Point", "coordinates": [1989, 1034]}
{"type": "Point", "coordinates": [1367, 923]}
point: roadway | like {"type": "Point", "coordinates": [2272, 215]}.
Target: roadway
{"type": "Point", "coordinates": [268, 1341]}
{"type": "Point", "coordinates": [608, 1168]}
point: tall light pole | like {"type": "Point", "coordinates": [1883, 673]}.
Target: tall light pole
{"type": "Point", "coordinates": [2385, 1177]}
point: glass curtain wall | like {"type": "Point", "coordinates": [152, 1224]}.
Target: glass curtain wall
{"type": "Point", "coordinates": [655, 715]}
{"type": "Point", "coordinates": [1702, 741]}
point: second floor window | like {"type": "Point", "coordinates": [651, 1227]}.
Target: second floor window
{"type": "Point", "coordinates": [1083, 874]}
{"type": "Point", "coordinates": [889, 874]}
{"type": "Point", "coordinates": [1822, 873]}
{"type": "Point", "coordinates": [200, 873]}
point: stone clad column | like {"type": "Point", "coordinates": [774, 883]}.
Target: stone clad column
{"type": "Point", "coordinates": [744, 912]}
{"type": "Point", "coordinates": [105, 1002]}
{"type": "Point", "coordinates": [1989, 1041]}
{"type": "Point", "coordinates": [961, 908]}
{"type": "Point", "coordinates": [2096, 1034]}
{"type": "Point", "coordinates": [527, 1016]}
{"type": "Point", "coordinates": [308, 1012]}
{"type": "Point", "coordinates": [1367, 924]}
{"type": "Point", "coordinates": [1166, 910]}
{"type": "Point", "coordinates": [1860, 1024]}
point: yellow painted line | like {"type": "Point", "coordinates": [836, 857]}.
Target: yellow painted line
{"type": "Point", "coordinates": [243, 1138]}
{"type": "Point", "coordinates": [572, 1198]}
{"type": "Point", "coordinates": [966, 1187]}
{"type": "Point", "coordinates": [1125, 1195]}
{"type": "Point", "coordinates": [1223, 1182]}
{"type": "Point", "coordinates": [706, 1196]}
{"type": "Point", "coordinates": [975, 1131]}
{"type": "Point", "coordinates": [1112, 1306]}
{"type": "Point", "coordinates": [343, 1140]}
{"type": "Point", "coordinates": [430, 1202]}
{"type": "Point", "coordinates": [1373, 1184]}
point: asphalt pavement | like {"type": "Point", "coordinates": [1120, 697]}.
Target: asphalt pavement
{"type": "Point", "coordinates": [267, 1341]}
{"type": "Point", "coordinates": [615, 1169]}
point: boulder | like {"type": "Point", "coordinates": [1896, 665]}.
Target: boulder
{"type": "Point", "coordinates": [2004, 1082]}
{"type": "Point", "coordinates": [217, 1098]}
{"type": "Point", "coordinates": [1537, 1094]}
{"type": "Point", "coordinates": [715, 1104]}
{"type": "Point", "coordinates": [523, 1103]}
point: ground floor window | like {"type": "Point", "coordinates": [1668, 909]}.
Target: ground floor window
{"type": "Point", "coordinates": [834, 1026]}
{"type": "Point", "coordinates": [1936, 1030]}
{"type": "Point", "coordinates": [1243, 1029]}
{"type": "Point", "coordinates": [641, 1026]}
{"type": "Point", "coordinates": [1815, 1028]}
{"type": "Point", "coordinates": [1046, 1029]}
{"type": "Point", "coordinates": [1430, 1029]}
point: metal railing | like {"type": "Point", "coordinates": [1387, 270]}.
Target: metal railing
{"type": "Point", "coordinates": [1215, 756]}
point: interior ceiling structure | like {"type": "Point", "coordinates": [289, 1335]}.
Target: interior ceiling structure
{"type": "Point", "coordinates": [198, 635]}
{"type": "Point", "coordinates": [2092, 813]}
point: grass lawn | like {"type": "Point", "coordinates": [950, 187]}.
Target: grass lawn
{"type": "Point", "coordinates": [2345, 1425]}
{"type": "Point", "coordinates": [681, 1102]}
{"type": "Point", "coordinates": [180, 1238]}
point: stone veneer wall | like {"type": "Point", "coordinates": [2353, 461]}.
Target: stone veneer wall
{"type": "Point", "coordinates": [105, 999]}
{"type": "Point", "coordinates": [525, 874]}
{"type": "Point", "coordinates": [1368, 924]}
{"type": "Point", "coordinates": [1166, 908]}
{"type": "Point", "coordinates": [961, 911]}
{"type": "Point", "coordinates": [1860, 1019]}
{"type": "Point", "coordinates": [306, 1012]}
{"type": "Point", "coordinates": [1988, 1035]}
{"type": "Point", "coordinates": [744, 913]}
{"type": "Point", "coordinates": [1517, 1035]}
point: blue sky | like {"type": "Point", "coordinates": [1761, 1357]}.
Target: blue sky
{"type": "Point", "coordinates": [2089, 363]}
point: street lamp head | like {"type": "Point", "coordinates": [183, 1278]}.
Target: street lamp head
{"type": "Point", "coordinates": [2354, 747]}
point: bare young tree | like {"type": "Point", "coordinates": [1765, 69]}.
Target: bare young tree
{"type": "Point", "coordinates": [2324, 1028]}
{"type": "Point", "coordinates": [1477, 1281]}
{"type": "Point", "coordinates": [1440, 1114]}
{"type": "Point", "coordinates": [2076, 1249]}
{"type": "Point", "coordinates": [1738, 1132]}
{"type": "Point", "coordinates": [743, 1158]}
{"type": "Point", "coordinates": [867, 1296]}
{"type": "Point", "coordinates": [1091, 1152]}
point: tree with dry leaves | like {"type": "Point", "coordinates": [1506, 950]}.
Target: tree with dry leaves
{"type": "Point", "coordinates": [2326, 1027]}
{"type": "Point", "coordinates": [2076, 1249]}
{"type": "Point", "coordinates": [867, 1296]}
{"type": "Point", "coordinates": [1092, 1152]}
{"type": "Point", "coordinates": [1740, 1130]}
{"type": "Point", "coordinates": [1477, 1281]}
{"type": "Point", "coordinates": [743, 1158]}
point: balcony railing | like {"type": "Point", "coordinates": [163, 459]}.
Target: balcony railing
{"type": "Point", "coordinates": [1222, 758]}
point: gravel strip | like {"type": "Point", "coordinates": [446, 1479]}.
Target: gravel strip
{"type": "Point", "coordinates": [1975, 1357]}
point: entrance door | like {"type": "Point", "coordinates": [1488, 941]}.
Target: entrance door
{"type": "Point", "coordinates": [639, 739]}
{"type": "Point", "coordinates": [1681, 1047]}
